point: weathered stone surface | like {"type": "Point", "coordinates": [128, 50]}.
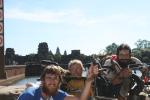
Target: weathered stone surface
{"type": "Point", "coordinates": [11, 92]}
{"type": "Point", "coordinates": [11, 80]}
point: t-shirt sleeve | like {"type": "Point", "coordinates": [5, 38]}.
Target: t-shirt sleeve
{"type": "Point", "coordinates": [61, 95]}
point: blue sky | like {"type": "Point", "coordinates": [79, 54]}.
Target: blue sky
{"type": "Point", "coordinates": [88, 25]}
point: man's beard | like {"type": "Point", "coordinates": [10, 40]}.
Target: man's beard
{"type": "Point", "coordinates": [48, 91]}
{"type": "Point", "coordinates": [124, 62]}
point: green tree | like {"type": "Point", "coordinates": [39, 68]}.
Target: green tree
{"type": "Point", "coordinates": [145, 55]}
{"type": "Point", "coordinates": [137, 53]}
{"type": "Point", "coordinates": [111, 49]}
{"type": "Point", "coordinates": [146, 59]}
{"type": "Point", "coordinates": [141, 44]}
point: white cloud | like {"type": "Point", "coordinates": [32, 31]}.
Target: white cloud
{"type": "Point", "coordinates": [38, 16]}
{"type": "Point", "coordinates": [78, 18]}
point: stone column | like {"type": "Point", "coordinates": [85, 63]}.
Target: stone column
{"type": "Point", "coordinates": [2, 57]}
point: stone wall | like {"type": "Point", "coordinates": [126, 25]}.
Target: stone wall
{"type": "Point", "coordinates": [13, 74]}
{"type": "Point", "coordinates": [14, 70]}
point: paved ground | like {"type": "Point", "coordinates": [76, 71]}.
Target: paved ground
{"type": "Point", "coordinates": [11, 89]}
{"type": "Point", "coordinates": [10, 92]}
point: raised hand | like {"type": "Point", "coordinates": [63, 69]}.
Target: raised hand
{"type": "Point", "coordinates": [92, 72]}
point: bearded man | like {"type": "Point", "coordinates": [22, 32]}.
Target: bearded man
{"type": "Point", "coordinates": [118, 77]}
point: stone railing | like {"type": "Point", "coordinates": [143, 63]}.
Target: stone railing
{"type": "Point", "coordinates": [13, 70]}
{"type": "Point", "coordinates": [13, 74]}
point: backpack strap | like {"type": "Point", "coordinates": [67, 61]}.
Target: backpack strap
{"type": "Point", "coordinates": [115, 64]}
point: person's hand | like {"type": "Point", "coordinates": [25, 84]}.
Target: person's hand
{"type": "Point", "coordinates": [92, 72]}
